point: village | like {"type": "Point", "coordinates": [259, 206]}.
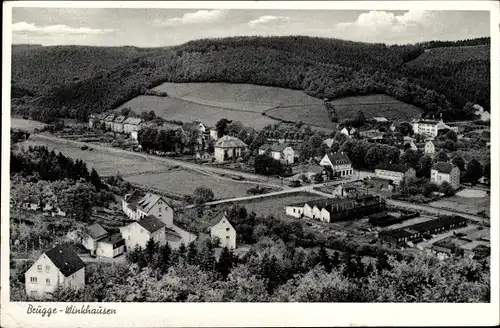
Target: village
{"type": "Point", "coordinates": [381, 202]}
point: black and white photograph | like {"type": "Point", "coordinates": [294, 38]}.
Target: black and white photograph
{"type": "Point", "coordinates": [248, 155]}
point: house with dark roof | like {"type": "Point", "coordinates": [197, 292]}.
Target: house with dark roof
{"type": "Point", "coordinates": [282, 152]}
{"type": "Point", "coordinates": [139, 232]}
{"type": "Point", "coordinates": [339, 163]}
{"type": "Point", "coordinates": [395, 172]}
{"type": "Point", "coordinates": [118, 124]}
{"type": "Point", "coordinates": [140, 204]}
{"type": "Point", "coordinates": [59, 266]}
{"type": "Point", "coordinates": [227, 148]}
{"type": "Point", "coordinates": [102, 244]}
{"type": "Point", "coordinates": [442, 171]}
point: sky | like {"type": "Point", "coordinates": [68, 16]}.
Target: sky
{"type": "Point", "coordinates": [166, 27]}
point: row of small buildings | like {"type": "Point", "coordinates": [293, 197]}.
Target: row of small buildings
{"type": "Point", "coordinates": [331, 210]}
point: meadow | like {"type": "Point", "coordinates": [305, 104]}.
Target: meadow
{"type": "Point", "coordinates": [468, 205]}
{"type": "Point", "coordinates": [27, 125]}
{"type": "Point", "coordinates": [184, 182]}
{"type": "Point", "coordinates": [453, 54]}
{"type": "Point", "coordinates": [377, 105]}
{"type": "Point", "coordinates": [105, 163]}
{"type": "Point", "coordinates": [310, 114]}
{"type": "Point", "coordinates": [187, 111]}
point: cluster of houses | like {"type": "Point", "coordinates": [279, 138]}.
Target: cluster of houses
{"type": "Point", "coordinates": [117, 123]}
{"type": "Point", "coordinates": [151, 217]}
{"type": "Point", "coordinates": [337, 209]}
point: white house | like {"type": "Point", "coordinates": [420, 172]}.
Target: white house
{"type": "Point", "coordinates": [395, 172]}
{"type": "Point", "coordinates": [345, 131]}
{"type": "Point", "coordinates": [101, 244]}
{"type": "Point", "coordinates": [59, 266]}
{"type": "Point", "coordinates": [430, 128]}
{"type": "Point", "coordinates": [110, 246]}
{"type": "Point", "coordinates": [429, 148]}
{"type": "Point", "coordinates": [339, 163]}
{"type": "Point", "coordinates": [108, 121]}
{"type": "Point", "coordinates": [139, 232]}
{"type": "Point", "coordinates": [139, 204]}
{"type": "Point", "coordinates": [225, 232]}
{"type": "Point", "coordinates": [227, 148]}
{"type": "Point", "coordinates": [281, 152]}
{"type": "Point", "coordinates": [131, 126]}
{"type": "Point", "coordinates": [213, 134]}
{"type": "Point", "coordinates": [94, 233]}
{"type": "Point", "coordinates": [328, 142]}
{"type": "Point", "coordinates": [442, 171]}
{"type": "Point", "coordinates": [118, 124]}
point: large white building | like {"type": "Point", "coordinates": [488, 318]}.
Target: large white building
{"type": "Point", "coordinates": [339, 163]}
{"type": "Point", "coordinates": [225, 232]}
{"type": "Point", "coordinates": [442, 171]}
{"type": "Point", "coordinates": [429, 148]}
{"type": "Point", "coordinates": [227, 148]}
{"type": "Point", "coordinates": [59, 266]}
{"type": "Point", "coordinates": [139, 204]}
{"type": "Point", "coordinates": [281, 152]}
{"type": "Point", "coordinates": [430, 128]}
{"type": "Point", "coordinates": [395, 172]}
{"type": "Point", "coordinates": [139, 232]}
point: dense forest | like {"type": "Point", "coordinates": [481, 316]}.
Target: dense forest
{"type": "Point", "coordinates": [323, 68]}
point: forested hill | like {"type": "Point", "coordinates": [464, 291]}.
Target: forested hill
{"type": "Point", "coordinates": [435, 80]}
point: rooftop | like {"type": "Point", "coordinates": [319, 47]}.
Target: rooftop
{"type": "Point", "coordinates": [113, 239]}
{"type": "Point", "coordinates": [133, 120]}
{"type": "Point", "coordinates": [151, 223]}
{"type": "Point", "coordinates": [443, 167]}
{"type": "Point", "coordinates": [65, 259]}
{"type": "Point", "coordinates": [96, 231]}
{"type": "Point", "coordinates": [230, 142]}
{"type": "Point", "coordinates": [338, 158]}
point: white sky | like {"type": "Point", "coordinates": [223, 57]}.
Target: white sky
{"type": "Point", "coordinates": [164, 27]}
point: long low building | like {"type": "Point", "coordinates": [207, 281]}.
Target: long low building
{"type": "Point", "coordinates": [409, 233]}
{"type": "Point", "coordinates": [329, 209]}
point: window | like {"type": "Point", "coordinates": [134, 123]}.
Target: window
{"type": "Point", "coordinates": [128, 237]}
{"type": "Point", "coordinates": [34, 280]}
{"type": "Point", "coordinates": [47, 281]}
{"type": "Point", "coordinates": [47, 268]}
{"type": "Point", "coordinates": [39, 267]}
{"type": "Point", "coordinates": [227, 229]}
{"type": "Point", "coordinates": [142, 231]}
{"type": "Point", "coordinates": [227, 237]}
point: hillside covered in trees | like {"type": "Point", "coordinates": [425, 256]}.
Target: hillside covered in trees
{"type": "Point", "coordinates": [433, 79]}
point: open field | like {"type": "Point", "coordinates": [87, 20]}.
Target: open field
{"type": "Point", "coordinates": [310, 114]}
{"type": "Point", "coordinates": [375, 106]}
{"type": "Point", "coordinates": [453, 54]}
{"type": "Point", "coordinates": [27, 125]}
{"type": "Point", "coordinates": [185, 182]}
{"type": "Point", "coordinates": [464, 204]}
{"type": "Point", "coordinates": [105, 163]}
{"type": "Point", "coordinates": [238, 93]}
{"type": "Point", "coordinates": [186, 111]}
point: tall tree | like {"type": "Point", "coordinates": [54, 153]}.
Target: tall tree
{"type": "Point", "coordinates": [225, 263]}
{"type": "Point", "coordinates": [474, 171]}
{"type": "Point", "coordinates": [222, 127]}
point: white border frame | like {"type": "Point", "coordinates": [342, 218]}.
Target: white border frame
{"type": "Point", "coordinates": [13, 314]}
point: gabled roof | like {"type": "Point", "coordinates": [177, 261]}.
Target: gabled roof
{"type": "Point", "coordinates": [148, 201]}
{"type": "Point", "coordinates": [443, 167]}
{"type": "Point", "coordinates": [133, 120]}
{"type": "Point", "coordinates": [110, 117]}
{"type": "Point", "coordinates": [328, 142]}
{"type": "Point", "coordinates": [134, 197]}
{"type": "Point", "coordinates": [65, 259]}
{"type": "Point", "coordinates": [112, 239]}
{"type": "Point", "coordinates": [393, 167]}
{"type": "Point", "coordinates": [96, 231]}
{"type": "Point", "coordinates": [338, 158]}
{"type": "Point", "coordinates": [223, 222]}
{"type": "Point", "coordinates": [119, 119]}
{"type": "Point", "coordinates": [229, 142]}
{"type": "Point", "coordinates": [151, 223]}
{"type": "Point", "coordinates": [274, 147]}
